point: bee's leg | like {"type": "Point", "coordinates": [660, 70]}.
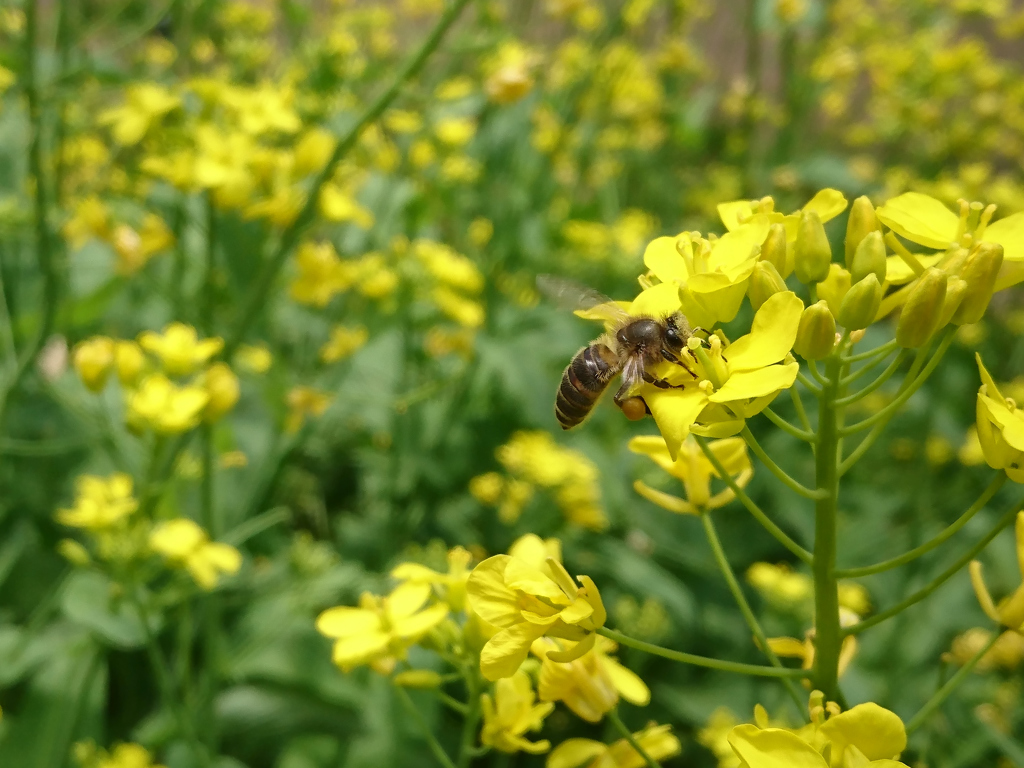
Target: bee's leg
{"type": "Point", "coordinates": [671, 357]}
{"type": "Point", "coordinates": [661, 383]}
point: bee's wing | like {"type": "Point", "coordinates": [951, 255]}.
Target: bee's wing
{"type": "Point", "coordinates": [577, 298]}
{"type": "Point", "coordinates": [632, 375]}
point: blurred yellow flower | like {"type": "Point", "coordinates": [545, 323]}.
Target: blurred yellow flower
{"type": "Point", "coordinates": [508, 73]}
{"type": "Point", "coordinates": [344, 342]}
{"type": "Point", "coordinates": [179, 348]}
{"type": "Point", "coordinates": [1009, 612]}
{"type": "Point", "coordinates": [692, 467]}
{"type": "Point", "coordinates": [656, 740]}
{"type": "Point", "coordinates": [161, 405]}
{"type": "Point", "coordinates": [338, 204]}
{"type": "Point", "coordinates": [780, 585]}
{"type": "Point", "coordinates": [185, 545]}
{"type": "Point", "coordinates": [100, 502]}
{"type": "Point", "coordinates": [529, 594]}
{"type": "Point", "coordinates": [1000, 428]}
{"type": "Point", "coordinates": [1007, 652]}
{"type": "Point", "coordinates": [222, 390]}
{"type": "Point", "coordinates": [145, 104]}
{"type": "Point", "coordinates": [93, 359]}
{"type": "Point", "coordinates": [590, 685]}
{"type": "Point", "coordinates": [135, 248]}
{"type": "Point", "coordinates": [303, 402]}
{"type": "Point", "coordinates": [321, 274]}
{"type": "Point", "coordinates": [451, 585]}
{"type": "Point", "coordinates": [254, 358]}
{"type": "Point", "coordinates": [511, 713]}
{"type": "Point", "coordinates": [715, 736]}
{"type": "Point", "coordinates": [130, 362]}
{"type": "Point", "coordinates": [91, 219]}
{"type": "Point", "coordinates": [381, 629]}
{"type": "Point", "coordinates": [793, 648]}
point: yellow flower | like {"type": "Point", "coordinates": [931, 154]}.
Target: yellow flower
{"type": "Point", "coordinates": [780, 585]}
{"type": "Point", "coordinates": [528, 594]}
{"type": "Point", "coordinates": [222, 390]}
{"type": "Point", "coordinates": [344, 342]}
{"type": "Point", "coordinates": [303, 402]}
{"type": "Point", "coordinates": [511, 713]}
{"type": "Point", "coordinates": [452, 585]}
{"type": "Point", "coordinates": [791, 647]}
{"type": "Point", "coordinates": [692, 467]}
{"type": "Point", "coordinates": [100, 502]}
{"type": "Point", "coordinates": [448, 266]}
{"type": "Point", "coordinates": [455, 131]}
{"type": "Point", "coordinates": [185, 545]}
{"type": "Point", "coordinates": [145, 104]}
{"type": "Point", "coordinates": [337, 204]}
{"type": "Point", "coordinates": [73, 552]}
{"type": "Point", "coordinates": [656, 740]}
{"type": "Point", "coordinates": [321, 274]}
{"type": "Point", "coordinates": [466, 312]}
{"type": "Point", "coordinates": [590, 685]}
{"type": "Point", "coordinates": [128, 755]}
{"type": "Point", "coordinates": [866, 735]}
{"type": "Point", "coordinates": [1000, 428]}
{"type": "Point", "coordinates": [179, 348]}
{"type": "Point", "coordinates": [91, 218]}
{"type": "Point", "coordinates": [312, 151]}
{"type": "Point", "coordinates": [1010, 610]}
{"type": "Point", "coordinates": [715, 736]}
{"type": "Point", "coordinates": [135, 248]}
{"type": "Point", "coordinates": [130, 362]}
{"type": "Point", "coordinates": [508, 77]}
{"type": "Point", "coordinates": [487, 488]}
{"type": "Point", "coordinates": [1007, 652]}
{"type": "Point", "coordinates": [381, 629]}
{"type": "Point", "coordinates": [254, 358]}
{"type": "Point", "coordinates": [93, 359]}
{"type": "Point", "coordinates": [161, 405]}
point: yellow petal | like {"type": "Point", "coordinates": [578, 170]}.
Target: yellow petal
{"type": "Point", "coordinates": [771, 336]}
{"type": "Point", "coordinates": [508, 649]}
{"type": "Point", "coordinates": [1019, 533]}
{"type": "Point", "coordinates": [417, 625]}
{"type": "Point", "coordinates": [732, 453]}
{"type": "Point", "coordinates": [920, 219]}
{"type": "Point", "coordinates": [664, 500]}
{"type": "Point", "coordinates": [664, 261]}
{"type": "Point", "coordinates": [575, 652]}
{"type": "Point", "coordinates": [737, 248]}
{"type": "Point", "coordinates": [577, 611]}
{"type": "Point", "coordinates": [535, 551]}
{"type": "Point", "coordinates": [592, 595]}
{"type": "Point", "coordinates": [653, 446]}
{"type": "Point", "coordinates": [874, 730]}
{"type": "Point", "coordinates": [789, 647]}
{"type": "Point", "coordinates": [1010, 423]}
{"type": "Point", "coordinates": [657, 741]}
{"type": "Point", "coordinates": [488, 596]}
{"type": "Point", "coordinates": [345, 621]}
{"type": "Point", "coordinates": [627, 683]}
{"type": "Point", "coordinates": [898, 272]}
{"type": "Point", "coordinates": [532, 581]}
{"type": "Point", "coordinates": [828, 203]}
{"type": "Point", "coordinates": [358, 649]}
{"type": "Point", "coordinates": [573, 753]}
{"type": "Point", "coordinates": [406, 599]}
{"type": "Point", "coordinates": [734, 213]}
{"type": "Point", "coordinates": [1009, 233]}
{"type": "Point", "coordinates": [991, 389]}
{"type": "Point", "coordinates": [766, 381]}
{"type": "Point", "coordinates": [674, 412]}
{"type": "Point", "coordinates": [658, 301]}
{"type": "Point", "coordinates": [223, 557]}
{"type": "Point", "coordinates": [773, 748]}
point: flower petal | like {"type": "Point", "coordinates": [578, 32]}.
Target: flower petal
{"type": "Point", "coordinates": [674, 411]}
{"type": "Point", "coordinates": [406, 599]}
{"type": "Point", "coordinates": [748, 384]}
{"type": "Point", "coordinates": [658, 301]}
{"type": "Point", "coordinates": [874, 730]}
{"type": "Point", "coordinates": [771, 336]}
{"type": "Point", "coordinates": [773, 748]}
{"type": "Point", "coordinates": [662, 259]}
{"type": "Point", "coordinates": [1009, 233]}
{"type": "Point", "coordinates": [920, 219]}
{"type": "Point", "coordinates": [522, 576]}
{"type": "Point", "coordinates": [573, 753]}
{"type": "Point", "coordinates": [828, 203]}
{"type": "Point", "coordinates": [357, 649]}
{"type": "Point", "coordinates": [627, 682]}
{"type": "Point", "coordinates": [653, 446]}
{"type": "Point", "coordinates": [415, 626]}
{"type": "Point", "coordinates": [345, 621]}
{"type": "Point", "coordinates": [488, 596]}
{"type": "Point", "coordinates": [505, 651]}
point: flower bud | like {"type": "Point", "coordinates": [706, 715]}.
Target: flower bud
{"type": "Point", "coordinates": [222, 388]}
{"type": "Point", "coordinates": [813, 255]}
{"type": "Point", "coordinates": [869, 258]}
{"type": "Point", "coordinates": [765, 282]}
{"type": "Point", "coordinates": [920, 315]}
{"type": "Point", "coordinates": [979, 272]}
{"type": "Point", "coordinates": [956, 289]}
{"type": "Point", "coordinates": [816, 335]}
{"type": "Point", "coordinates": [775, 250]}
{"type": "Point", "coordinates": [417, 678]}
{"type": "Point", "coordinates": [833, 288]}
{"type": "Point", "coordinates": [862, 221]}
{"type": "Point", "coordinates": [861, 303]}
{"type": "Point", "coordinates": [953, 261]}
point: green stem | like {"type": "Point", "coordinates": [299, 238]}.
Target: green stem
{"type": "Point", "coordinates": [471, 714]}
{"type": "Point", "coordinates": [613, 717]}
{"type": "Point", "coordinates": [754, 510]}
{"type": "Point", "coordinates": [451, 702]}
{"type": "Point", "coordinates": [785, 426]}
{"type": "Point", "coordinates": [435, 747]}
{"type": "Point", "coordinates": [798, 405]}
{"type": "Point", "coordinates": [809, 385]}
{"type": "Point", "coordinates": [880, 351]}
{"type": "Point", "coordinates": [883, 377]}
{"type": "Point", "coordinates": [942, 578]}
{"type": "Point", "coordinates": [775, 469]}
{"type": "Point", "coordinates": [290, 237]}
{"type": "Point", "coordinates": [907, 393]}
{"type": "Point", "coordinates": [755, 670]}
{"type": "Point", "coordinates": [827, 630]}
{"type": "Point", "coordinates": [744, 606]}
{"type": "Point", "coordinates": [866, 570]}
{"type": "Point", "coordinates": [940, 696]}
{"type": "Point", "coordinates": [812, 366]}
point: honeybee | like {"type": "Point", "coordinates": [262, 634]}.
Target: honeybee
{"type": "Point", "coordinates": [634, 345]}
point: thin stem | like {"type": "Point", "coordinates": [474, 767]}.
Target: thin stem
{"type": "Point", "coordinates": [827, 630]}
{"type": "Point", "coordinates": [290, 237]}
{"type": "Point", "coordinates": [755, 670]}
{"type": "Point", "coordinates": [451, 702]}
{"type": "Point", "coordinates": [798, 405]}
{"type": "Point", "coordinates": [744, 606]}
{"type": "Point", "coordinates": [812, 366]}
{"type": "Point", "coordinates": [754, 510]}
{"type": "Point", "coordinates": [471, 714]}
{"type": "Point", "coordinates": [613, 717]}
{"type": "Point", "coordinates": [880, 351]}
{"type": "Point", "coordinates": [435, 748]}
{"type": "Point", "coordinates": [940, 696]}
{"type": "Point", "coordinates": [775, 469]}
{"type": "Point", "coordinates": [907, 393]}
{"type": "Point", "coordinates": [809, 385]}
{"type": "Point", "coordinates": [997, 482]}
{"type": "Point", "coordinates": [942, 578]}
{"type": "Point", "coordinates": [785, 426]}
{"type": "Point", "coordinates": [883, 377]}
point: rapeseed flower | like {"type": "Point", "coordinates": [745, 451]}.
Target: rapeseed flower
{"type": "Point", "coordinates": [695, 471]}
{"type": "Point", "coordinates": [134, 248]}
{"type": "Point", "coordinates": [511, 713]}
{"type": "Point", "coordinates": [100, 502]}
{"type": "Point", "coordinates": [91, 219]}
{"type": "Point", "coordinates": [303, 402]}
{"type": "Point", "coordinates": [1009, 612]}
{"type": "Point", "coordinates": [590, 685]}
{"type": "Point", "coordinates": [145, 104]}
{"type": "Point", "coordinates": [129, 361]}
{"type": "Point", "coordinates": [451, 586]}
{"type": "Point", "coordinates": [528, 594]}
{"type": "Point", "coordinates": [254, 358]}
{"type": "Point", "coordinates": [222, 390]}
{"type": "Point", "coordinates": [179, 348]}
{"type": "Point", "coordinates": [161, 405]}
{"type": "Point", "coordinates": [656, 740]}
{"type": "Point", "coordinates": [185, 545]}
{"type": "Point", "coordinates": [381, 629]}
{"type": "Point", "coordinates": [321, 274]}
{"type": "Point", "coordinates": [344, 342]}
{"type": "Point", "coordinates": [1000, 428]}
{"type": "Point", "coordinates": [93, 359]}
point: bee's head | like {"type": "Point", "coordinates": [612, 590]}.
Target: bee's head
{"type": "Point", "coordinates": [677, 331]}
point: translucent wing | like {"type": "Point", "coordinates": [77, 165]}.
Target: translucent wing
{"type": "Point", "coordinates": [585, 302]}
{"type": "Point", "coordinates": [632, 375]}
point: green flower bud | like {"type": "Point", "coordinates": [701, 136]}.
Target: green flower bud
{"type": "Point", "coordinates": [862, 221]}
{"type": "Point", "coordinates": [979, 272]}
{"type": "Point", "coordinates": [920, 316]}
{"type": "Point", "coordinates": [860, 304]}
{"type": "Point", "coordinates": [765, 282]}
{"type": "Point", "coordinates": [953, 261]}
{"type": "Point", "coordinates": [869, 258]}
{"type": "Point", "coordinates": [813, 255]}
{"type": "Point", "coordinates": [816, 334]}
{"type": "Point", "coordinates": [774, 249]}
{"type": "Point", "coordinates": [956, 289]}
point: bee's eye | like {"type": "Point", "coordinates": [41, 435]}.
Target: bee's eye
{"type": "Point", "coordinates": [671, 334]}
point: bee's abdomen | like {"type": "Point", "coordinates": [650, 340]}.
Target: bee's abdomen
{"type": "Point", "coordinates": [583, 381]}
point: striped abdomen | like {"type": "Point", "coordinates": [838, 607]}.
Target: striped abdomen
{"type": "Point", "coordinates": [583, 381]}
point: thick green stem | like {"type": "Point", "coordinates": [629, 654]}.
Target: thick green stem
{"type": "Point", "coordinates": [755, 670]}
{"type": "Point", "coordinates": [613, 717]}
{"type": "Point", "coordinates": [827, 630]}
{"type": "Point", "coordinates": [997, 482]}
{"type": "Point", "coordinates": [744, 606]}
